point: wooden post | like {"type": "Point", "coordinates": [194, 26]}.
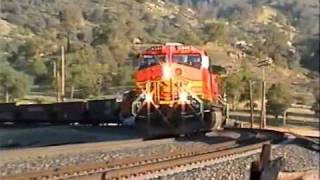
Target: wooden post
{"type": "Point", "coordinates": [263, 107]}
{"type": "Point", "coordinates": [227, 114]}
{"type": "Point", "coordinates": [72, 92]}
{"type": "Point", "coordinates": [263, 115]}
{"type": "Point", "coordinates": [251, 104]}
{"type": "Point", "coordinates": [68, 42]}
{"type": "Point", "coordinates": [54, 69]}
{"type": "Point", "coordinates": [58, 88]}
{"type": "Point", "coordinates": [284, 118]}
{"type": "Point", "coordinates": [265, 168]}
{"type": "Point", "coordinates": [7, 95]}
{"type": "Point", "coordinates": [265, 155]}
{"type": "Point", "coordinates": [263, 104]}
{"type": "Point", "coordinates": [258, 166]}
{"type": "Point", "coordinates": [62, 74]}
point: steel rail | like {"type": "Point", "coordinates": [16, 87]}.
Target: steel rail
{"type": "Point", "coordinates": [87, 169]}
{"type": "Point", "coordinates": [132, 166]}
{"type": "Point", "coordinates": [135, 172]}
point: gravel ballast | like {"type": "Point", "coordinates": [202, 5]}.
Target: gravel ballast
{"type": "Point", "coordinates": [58, 161]}
{"type": "Point", "coordinates": [297, 159]}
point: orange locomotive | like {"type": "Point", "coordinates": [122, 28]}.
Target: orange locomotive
{"type": "Point", "coordinates": [176, 91]}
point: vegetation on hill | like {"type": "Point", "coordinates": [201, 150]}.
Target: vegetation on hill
{"type": "Point", "coordinates": [99, 36]}
{"type": "Point", "coordinates": [279, 99]}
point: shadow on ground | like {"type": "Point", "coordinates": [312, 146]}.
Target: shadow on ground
{"type": "Point", "coordinates": [13, 137]}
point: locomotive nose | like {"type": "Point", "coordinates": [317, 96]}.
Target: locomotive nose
{"type": "Point", "coordinates": [167, 73]}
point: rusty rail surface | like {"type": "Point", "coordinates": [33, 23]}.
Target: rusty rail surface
{"type": "Point", "coordinates": [133, 166]}
{"type": "Point", "coordinates": [87, 169]}
{"type": "Point", "coordinates": [134, 172]}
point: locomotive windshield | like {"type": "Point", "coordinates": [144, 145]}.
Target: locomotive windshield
{"type": "Point", "coordinates": [151, 60]}
{"type": "Point", "coordinates": [193, 60]}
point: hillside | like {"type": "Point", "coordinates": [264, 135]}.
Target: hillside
{"type": "Point", "coordinates": [99, 36]}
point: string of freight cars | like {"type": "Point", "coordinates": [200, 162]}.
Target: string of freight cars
{"type": "Point", "coordinates": [92, 112]}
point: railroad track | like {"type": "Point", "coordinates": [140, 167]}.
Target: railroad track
{"type": "Point", "coordinates": [153, 165]}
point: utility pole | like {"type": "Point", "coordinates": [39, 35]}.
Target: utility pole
{"type": "Point", "coordinates": [7, 95]}
{"type": "Point", "coordinates": [68, 42]}
{"type": "Point", "coordinates": [58, 87]}
{"type": "Point", "coordinates": [54, 69]}
{"type": "Point", "coordinates": [59, 75]}
{"type": "Point", "coordinates": [264, 63]}
{"type": "Point", "coordinates": [62, 74]}
{"type": "Point", "coordinates": [56, 76]}
{"type": "Point", "coordinates": [284, 122]}
{"type": "Point", "coordinates": [251, 104]}
{"type": "Point", "coordinates": [263, 104]}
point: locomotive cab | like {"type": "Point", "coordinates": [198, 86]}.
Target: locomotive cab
{"type": "Point", "coordinates": [176, 92]}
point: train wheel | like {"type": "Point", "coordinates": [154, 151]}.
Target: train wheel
{"type": "Point", "coordinates": [217, 119]}
{"type": "Point", "coordinates": [213, 120]}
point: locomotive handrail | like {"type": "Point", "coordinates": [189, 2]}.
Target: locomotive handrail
{"type": "Point", "coordinates": [199, 100]}
{"type": "Point", "coordinates": [135, 103]}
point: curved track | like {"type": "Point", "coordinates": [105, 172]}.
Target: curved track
{"type": "Point", "coordinates": [250, 141]}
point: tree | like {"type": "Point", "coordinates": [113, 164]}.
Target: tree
{"type": "Point", "coordinates": [88, 73]}
{"type": "Point", "coordinates": [309, 48]}
{"type": "Point", "coordinates": [279, 99]}
{"type": "Point", "coordinates": [141, 1]}
{"type": "Point", "coordinates": [90, 79]}
{"type": "Point", "coordinates": [236, 86]}
{"type": "Point", "coordinates": [123, 77]}
{"type": "Point", "coordinates": [13, 84]}
{"type": "Point", "coordinates": [246, 75]}
{"type": "Point", "coordinates": [38, 68]}
{"type": "Point", "coordinates": [189, 37]}
{"type": "Point", "coordinates": [233, 88]}
{"type": "Point", "coordinates": [275, 45]}
{"type": "Point", "coordinates": [214, 31]}
{"type": "Point", "coordinates": [71, 16]}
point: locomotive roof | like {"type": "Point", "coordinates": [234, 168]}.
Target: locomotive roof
{"type": "Point", "coordinates": [175, 48]}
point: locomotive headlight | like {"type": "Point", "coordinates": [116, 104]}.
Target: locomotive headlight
{"type": "Point", "coordinates": [183, 97]}
{"type": "Point", "coordinates": [166, 72]}
{"type": "Point", "coordinates": [148, 97]}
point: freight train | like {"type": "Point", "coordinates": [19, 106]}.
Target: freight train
{"type": "Point", "coordinates": [90, 112]}
{"type": "Point", "coordinates": [177, 92]}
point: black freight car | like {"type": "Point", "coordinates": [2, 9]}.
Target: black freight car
{"type": "Point", "coordinates": [103, 111]}
{"type": "Point", "coordinates": [69, 112]}
{"type": "Point", "coordinates": [35, 113]}
{"type": "Point", "coordinates": [8, 112]}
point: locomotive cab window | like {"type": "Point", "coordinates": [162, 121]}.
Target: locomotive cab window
{"type": "Point", "coordinates": [193, 60]}
{"type": "Point", "coordinates": [151, 60]}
